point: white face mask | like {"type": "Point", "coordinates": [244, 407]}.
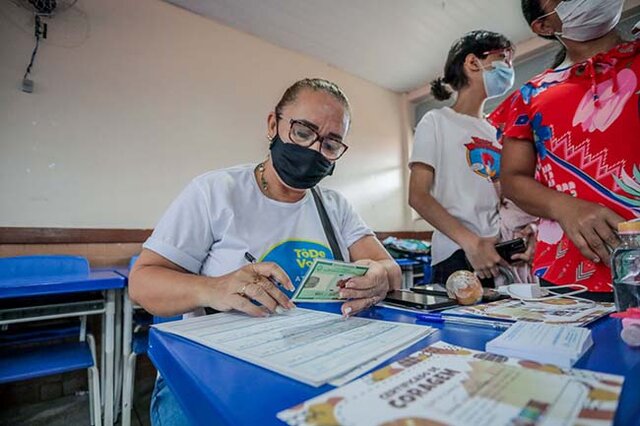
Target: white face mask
{"type": "Point", "coordinates": [584, 20]}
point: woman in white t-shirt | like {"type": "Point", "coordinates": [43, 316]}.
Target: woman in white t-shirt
{"type": "Point", "coordinates": [456, 158]}
{"type": "Point", "coordinates": [196, 257]}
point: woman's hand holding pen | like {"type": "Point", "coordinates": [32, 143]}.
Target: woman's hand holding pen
{"type": "Point", "coordinates": [254, 281]}
{"type": "Point", "coordinates": [365, 291]}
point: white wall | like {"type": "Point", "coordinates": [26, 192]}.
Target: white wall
{"type": "Point", "coordinates": [134, 98]}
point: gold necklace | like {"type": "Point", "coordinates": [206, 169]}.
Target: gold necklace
{"type": "Point", "coordinates": [263, 181]}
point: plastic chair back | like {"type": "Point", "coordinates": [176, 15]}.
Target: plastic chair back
{"type": "Point", "coordinates": [132, 261]}
{"type": "Point", "coordinates": [42, 266]}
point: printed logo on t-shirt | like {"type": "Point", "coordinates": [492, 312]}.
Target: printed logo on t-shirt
{"type": "Point", "coordinates": [295, 257]}
{"type": "Point", "coordinates": [483, 158]}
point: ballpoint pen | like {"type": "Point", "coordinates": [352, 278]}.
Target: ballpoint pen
{"type": "Point", "coordinates": [496, 325]}
{"type": "Point", "coordinates": [250, 258]}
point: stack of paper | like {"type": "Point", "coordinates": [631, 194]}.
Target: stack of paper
{"type": "Point", "coordinates": [559, 345]}
{"type": "Point", "coordinates": [310, 346]}
{"type": "Point", "coordinates": [551, 311]}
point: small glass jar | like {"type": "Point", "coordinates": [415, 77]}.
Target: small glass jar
{"type": "Point", "coordinates": [625, 267]}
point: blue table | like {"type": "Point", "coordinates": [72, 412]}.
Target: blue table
{"type": "Point", "coordinates": [211, 385]}
{"type": "Point", "coordinates": [107, 281]}
{"type": "Point", "coordinates": [125, 365]}
{"type": "Point", "coordinates": [48, 286]}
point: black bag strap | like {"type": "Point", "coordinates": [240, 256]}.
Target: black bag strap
{"type": "Point", "coordinates": [326, 224]}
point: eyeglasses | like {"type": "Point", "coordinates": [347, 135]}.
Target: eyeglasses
{"type": "Point", "coordinates": [543, 8]}
{"type": "Point", "coordinates": [507, 53]}
{"type": "Point", "coordinates": [303, 134]}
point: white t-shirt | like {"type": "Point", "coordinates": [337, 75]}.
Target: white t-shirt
{"type": "Point", "coordinates": [222, 214]}
{"type": "Point", "coordinates": [466, 158]}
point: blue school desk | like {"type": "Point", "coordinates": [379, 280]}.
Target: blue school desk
{"type": "Point", "coordinates": [107, 281]}
{"type": "Point", "coordinates": [132, 346]}
{"type": "Point", "coordinates": [214, 388]}
{"type": "Point", "coordinates": [407, 265]}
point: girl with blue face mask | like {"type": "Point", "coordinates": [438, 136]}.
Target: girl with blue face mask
{"type": "Point", "coordinates": [456, 158]}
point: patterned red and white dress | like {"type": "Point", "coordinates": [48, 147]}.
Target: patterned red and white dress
{"type": "Point", "coordinates": [585, 123]}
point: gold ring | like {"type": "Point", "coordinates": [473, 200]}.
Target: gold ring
{"type": "Point", "coordinates": [242, 290]}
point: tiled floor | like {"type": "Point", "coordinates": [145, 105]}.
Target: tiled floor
{"type": "Point", "coordinates": [74, 410]}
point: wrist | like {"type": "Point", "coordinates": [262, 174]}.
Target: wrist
{"type": "Point", "coordinates": [556, 211]}
{"type": "Point", "coordinates": [559, 207]}
{"type": "Point", "coordinates": [469, 241]}
{"type": "Point", "coordinates": [203, 290]}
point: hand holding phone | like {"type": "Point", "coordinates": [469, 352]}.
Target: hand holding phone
{"type": "Point", "coordinates": [506, 249]}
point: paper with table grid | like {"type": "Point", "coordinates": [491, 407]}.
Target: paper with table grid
{"type": "Point", "coordinates": [310, 346]}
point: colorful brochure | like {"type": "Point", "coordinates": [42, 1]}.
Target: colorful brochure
{"type": "Point", "coordinates": [450, 385]}
{"type": "Point", "coordinates": [553, 311]}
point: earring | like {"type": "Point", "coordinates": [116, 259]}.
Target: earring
{"type": "Point", "coordinates": [270, 138]}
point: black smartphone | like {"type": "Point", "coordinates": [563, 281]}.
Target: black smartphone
{"type": "Point", "coordinates": [506, 249]}
{"type": "Point", "coordinates": [491, 295]}
{"type": "Point", "coordinates": [419, 301]}
{"type": "Point", "coordinates": [431, 289]}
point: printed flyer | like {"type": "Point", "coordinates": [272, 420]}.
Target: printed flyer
{"type": "Point", "coordinates": [445, 384]}
{"type": "Point", "coordinates": [553, 311]}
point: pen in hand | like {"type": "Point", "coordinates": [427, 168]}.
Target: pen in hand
{"type": "Point", "coordinates": [250, 258]}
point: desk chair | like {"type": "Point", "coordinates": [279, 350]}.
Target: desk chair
{"type": "Point", "coordinates": [424, 277]}
{"type": "Point", "coordinates": [39, 353]}
{"type": "Point", "coordinates": [135, 342]}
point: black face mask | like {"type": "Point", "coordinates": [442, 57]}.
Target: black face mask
{"type": "Point", "coordinates": [297, 166]}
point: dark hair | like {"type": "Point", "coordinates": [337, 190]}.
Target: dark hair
{"type": "Point", "coordinates": [475, 42]}
{"type": "Point", "coordinates": [315, 84]}
{"type": "Point", "coordinates": [532, 10]}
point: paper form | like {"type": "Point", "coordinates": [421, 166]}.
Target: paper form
{"type": "Point", "coordinates": [310, 346]}
{"type": "Point", "coordinates": [363, 368]}
{"type": "Point", "coordinates": [542, 336]}
{"type": "Point", "coordinates": [560, 345]}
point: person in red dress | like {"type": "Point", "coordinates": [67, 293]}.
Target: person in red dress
{"type": "Point", "coordinates": [571, 142]}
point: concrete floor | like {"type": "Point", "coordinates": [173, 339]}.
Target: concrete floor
{"type": "Point", "coordinates": [74, 410]}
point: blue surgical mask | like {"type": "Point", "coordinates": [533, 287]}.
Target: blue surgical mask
{"type": "Point", "coordinates": [499, 80]}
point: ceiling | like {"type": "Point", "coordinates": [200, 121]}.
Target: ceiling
{"type": "Point", "coordinates": [396, 44]}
